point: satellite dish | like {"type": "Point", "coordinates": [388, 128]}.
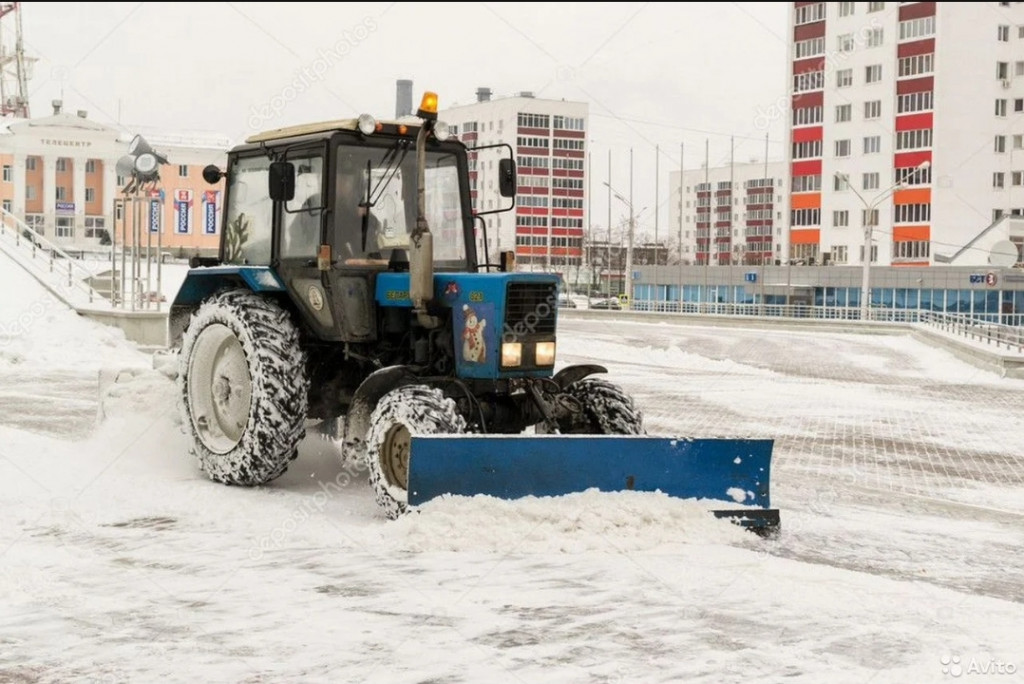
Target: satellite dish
{"type": "Point", "coordinates": [1004, 254]}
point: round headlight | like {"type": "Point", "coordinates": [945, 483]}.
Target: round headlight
{"type": "Point", "coordinates": [367, 124]}
{"type": "Point", "coordinates": [442, 131]}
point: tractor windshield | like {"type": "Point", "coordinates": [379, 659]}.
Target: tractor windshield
{"type": "Point", "coordinates": [375, 203]}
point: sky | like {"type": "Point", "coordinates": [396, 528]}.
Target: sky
{"type": "Point", "coordinates": [657, 76]}
{"type": "Point", "coordinates": [897, 470]}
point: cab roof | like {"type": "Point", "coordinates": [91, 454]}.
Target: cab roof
{"type": "Point", "coordinates": [325, 127]}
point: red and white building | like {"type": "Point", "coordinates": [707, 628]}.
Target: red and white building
{"type": "Point", "coordinates": [875, 90]}
{"type": "Point", "coordinates": [549, 140]}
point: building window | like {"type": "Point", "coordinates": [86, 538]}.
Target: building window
{"type": "Point", "coordinates": [1017, 178]}
{"type": "Point", "coordinates": [839, 254]}
{"type": "Point", "coordinates": [871, 181]}
{"type": "Point", "coordinates": [90, 166]}
{"type": "Point", "coordinates": [182, 170]}
{"type": "Point", "coordinates": [7, 205]}
{"type": "Point", "coordinates": [844, 113]}
{"type": "Point", "coordinates": [1002, 71]}
{"type": "Point", "coordinates": [873, 109]}
{"type": "Point", "coordinates": [913, 29]}
{"type": "Point", "coordinates": [1000, 143]}
{"type": "Point", "coordinates": [65, 227]}
{"type": "Point", "coordinates": [873, 73]}
{"type": "Point", "coordinates": [869, 217]}
{"type": "Point", "coordinates": [1003, 33]}
{"type": "Point", "coordinates": [916, 65]}
{"type": "Point", "coordinates": [844, 78]}
{"type": "Point", "coordinates": [30, 163]}
{"type": "Point", "coordinates": [842, 148]}
{"type": "Point", "coordinates": [912, 213]}
{"type": "Point", "coordinates": [811, 80]}
{"type": "Point", "coordinates": [840, 182]}
{"type": "Point", "coordinates": [30, 192]}
{"type": "Point", "coordinates": [876, 6]}
{"type": "Point", "coordinates": [95, 227]}
{"type": "Point", "coordinates": [90, 194]}
{"type": "Point", "coordinates": [62, 193]}
{"type": "Point", "coordinates": [840, 219]}
{"type": "Point", "coordinates": [1018, 104]}
{"type": "Point", "coordinates": [1000, 107]}
{"type": "Point", "coordinates": [1018, 142]}
{"type": "Point", "coordinates": [873, 144]}
{"type": "Point", "coordinates": [807, 115]}
{"type": "Point", "coordinates": [62, 163]}
{"type": "Point", "coordinates": [810, 13]}
{"type": "Point", "coordinates": [875, 37]}
{"type": "Point", "coordinates": [845, 42]}
{"type": "Point", "coordinates": [812, 47]}
{"type": "Point", "coordinates": [914, 102]}
{"type": "Point", "coordinates": [911, 175]}
{"type": "Point", "coordinates": [916, 140]}
{"type": "Point", "coordinates": [845, 9]}
{"type": "Point", "coordinates": [998, 179]}
{"type": "Point", "coordinates": [8, 173]}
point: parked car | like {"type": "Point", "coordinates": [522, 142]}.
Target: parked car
{"type": "Point", "coordinates": [566, 302]}
{"type": "Point", "coordinates": [606, 304]}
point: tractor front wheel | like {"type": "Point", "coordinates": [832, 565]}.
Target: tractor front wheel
{"type": "Point", "coordinates": [400, 414]}
{"type": "Point", "coordinates": [243, 388]}
{"type": "Point", "coordinates": [605, 409]}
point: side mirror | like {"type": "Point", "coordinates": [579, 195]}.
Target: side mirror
{"type": "Point", "coordinates": [212, 174]}
{"type": "Point", "coordinates": [507, 177]}
{"type": "Point", "coordinates": [282, 181]}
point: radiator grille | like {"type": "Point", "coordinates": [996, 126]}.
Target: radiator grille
{"type": "Point", "coordinates": [530, 308]}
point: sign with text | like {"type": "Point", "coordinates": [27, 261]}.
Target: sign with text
{"type": "Point", "coordinates": [183, 212]}
{"type": "Point", "coordinates": [211, 216]}
{"type": "Point", "coordinates": [154, 216]}
{"type": "Point", "coordinates": [750, 277]}
{"type": "Point", "coordinates": [65, 207]}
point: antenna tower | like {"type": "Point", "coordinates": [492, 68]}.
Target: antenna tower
{"type": "Point", "coordinates": [14, 66]}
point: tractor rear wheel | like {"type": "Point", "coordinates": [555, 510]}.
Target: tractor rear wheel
{"type": "Point", "coordinates": [400, 414]}
{"type": "Point", "coordinates": [243, 388]}
{"type": "Point", "coordinates": [606, 410]}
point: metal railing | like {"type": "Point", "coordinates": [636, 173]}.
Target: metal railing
{"type": "Point", "coordinates": [67, 275]}
{"type": "Point", "coordinates": [1002, 338]}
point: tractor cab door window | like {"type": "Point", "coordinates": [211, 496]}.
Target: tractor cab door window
{"type": "Point", "coordinates": [248, 230]}
{"type": "Point", "coordinates": [301, 217]}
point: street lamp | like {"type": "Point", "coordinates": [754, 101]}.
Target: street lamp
{"type": "Point", "coordinates": [869, 229]}
{"type": "Point", "coordinates": [628, 275]}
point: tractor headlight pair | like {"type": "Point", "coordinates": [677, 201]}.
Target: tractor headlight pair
{"type": "Point", "coordinates": [512, 354]}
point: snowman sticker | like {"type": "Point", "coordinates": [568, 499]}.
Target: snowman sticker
{"type": "Point", "coordinates": [474, 350]}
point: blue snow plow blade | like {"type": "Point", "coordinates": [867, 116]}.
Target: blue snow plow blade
{"type": "Point", "coordinates": [736, 472]}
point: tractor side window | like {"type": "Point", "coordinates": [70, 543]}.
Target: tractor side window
{"type": "Point", "coordinates": [301, 217]}
{"type": "Point", "coordinates": [247, 225]}
{"type": "Point", "coordinates": [444, 207]}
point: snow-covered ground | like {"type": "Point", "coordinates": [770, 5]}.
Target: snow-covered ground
{"type": "Point", "coordinates": [899, 472]}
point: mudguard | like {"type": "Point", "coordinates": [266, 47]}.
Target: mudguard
{"type": "Point", "coordinates": [732, 474]}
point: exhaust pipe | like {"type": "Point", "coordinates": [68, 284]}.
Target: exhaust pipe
{"type": "Point", "coordinates": [421, 252]}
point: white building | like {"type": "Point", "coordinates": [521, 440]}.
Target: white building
{"type": "Point", "coordinates": [734, 214]}
{"type": "Point", "coordinates": [59, 179]}
{"type": "Point", "coordinates": [548, 139]}
{"type": "Point", "coordinates": [927, 94]}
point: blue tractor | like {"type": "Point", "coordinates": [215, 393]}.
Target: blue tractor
{"type": "Point", "coordinates": [348, 290]}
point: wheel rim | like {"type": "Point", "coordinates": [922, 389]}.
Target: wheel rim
{"type": "Point", "coordinates": [219, 389]}
{"type": "Point", "coordinates": [394, 456]}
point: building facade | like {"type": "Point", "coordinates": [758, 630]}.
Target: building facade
{"type": "Point", "coordinates": [906, 129]}
{"type": "Point", "coordinates": [60, 179]}
{"type": "Point", "coordinates": [733, 214]}
{"type": "Point", "coordinates": [549, 141]}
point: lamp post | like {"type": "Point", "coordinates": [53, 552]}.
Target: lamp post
{"type": "Point", "coordinates": [628, 275]}
{"type": "Point", "coordinates": [869, 229]}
